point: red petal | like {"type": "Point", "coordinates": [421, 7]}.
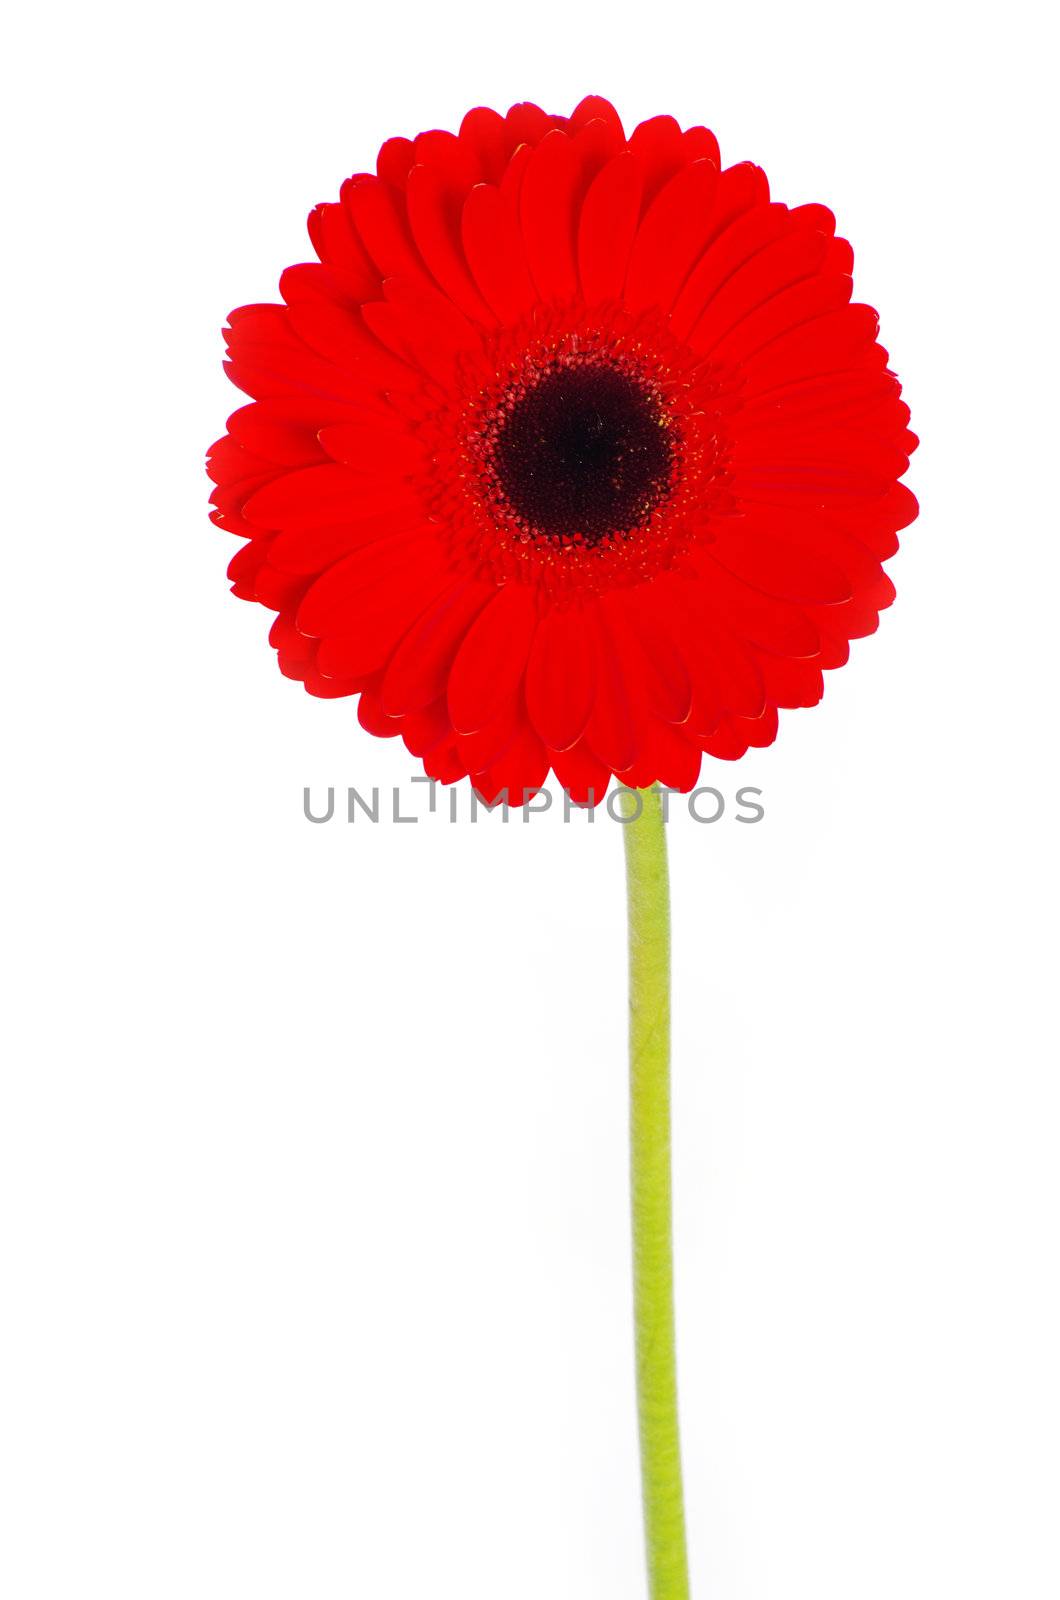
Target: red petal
{"type": "Point", "coordinates": [730, 247]}
{"type": "Point", "coordinates": [661, 672]}
{"type": "Point", "coordinates": [700, 144]}
{"type": "Point", "coordinates": [373, 718]}
{"type": "Point", "coordinates": [337, 244]}
{"type": "Point", "coordinates": [528, 124]}
{"type": "Point", "coordinates": [875, 525]}
{"type": "Point", "coordinates": [594, 145]}
{"type": "Point", "coordinates": [329, 688]}
{"type": "Point", "coordinates": [735, 734]}
{"type": "Point", "coordinates": [547, 215]}
{"type": "Point", "coordinates": [492, 658]}
{"type": "Point", "coordinates": [434, 216]}
{"type": "Point", "coordinates": [658, 145]}
{"type": "Point", "coordinates": [739, 188]}
{"type": "Point", "coordinates": [596, 109]}
{"type": "Point", "coordinates": [495, 254]}
{"type": "Point", "coordinates": [228, 463]}
{"type": "Point", "coordinates": [378, 216]}
{"type": "Point", "coordinates": [490, 138]}
{"type": "Point", "coordinates": [837, 342]}
{"type": "Point", "coordinates": [278, 431]}
{"type": "Point", "coordinates": [611, 732]}
{"type": "Point", "coordinates": [835, 397]}
{"type": "Point", "coordinates": [823, 536]}
{"type": "Point", "coordinates": [791, 683]}
{"type": "Point", "coordinates": [671, 237]}
{"type": "Point", "coordinates": [390, 452]}
{"type": "Point", "coordinates": [798, 254]}
{"type": "Point", "coordinates": [394, 160]}
{"type": "Point", "coordinates": [776, 566]}
{"type": "Point", "coordinates": [277, 590]}
{"type": "Point", "coordinates": [309, 281]}
{"type": "Point", "coordinates": [607, 228]}
{"type": "Point", "coordinates": [561, 677]}
{"type": "Point", "coordinates": [581, 774]}
{"type": "Point", "coordinates": [419, 671]}
{"type": "Point", "coordinates": [313, 497]}
{"type": "Point", "coordinates": [444, 764]}
{"type": "Point", "coordinates": [521, 769]}
{"type": "Point", "coordinates": [481, 749]}
{"type": "Point", "coordinates": [773, 624]}
{"type": "Point", "coordinates": [669, 757]}
{"type": "Point", "coordinates": [454, 160]}
{"type": "Point", "coordinates": [423, 730]}
{"type": "Point", "coordinates": [311, 550]}
{"type": "Point", "coordinates": [725, 675]}
{"type": "Point", "coordinates": [342, 337]}
{"type": "Point", "coordinates": [378, 632]}
{"type": "Point", "coordinates": [511, 186]}
{"type": "Point", "coordinates": [245, 565]}
{"type": "Point", "coordinates": [367, 580]}
{"type": "Point", "coordinates": [270, 360]}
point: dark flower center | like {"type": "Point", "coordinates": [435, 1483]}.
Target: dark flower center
{"type": "Point", "coordinates": [584, 452]}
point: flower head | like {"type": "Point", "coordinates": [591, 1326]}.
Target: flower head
{"type": "Point", "coordinates": [569, 452]}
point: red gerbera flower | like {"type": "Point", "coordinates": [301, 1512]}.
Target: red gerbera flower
{"type": "Point", "coordinates": [570, 452]}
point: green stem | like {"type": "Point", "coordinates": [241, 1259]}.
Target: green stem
{"type": "Point", "coordinates": [648, 894]}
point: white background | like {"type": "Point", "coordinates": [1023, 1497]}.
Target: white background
{"type": "Point", "coordinates": [314, 1247]}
